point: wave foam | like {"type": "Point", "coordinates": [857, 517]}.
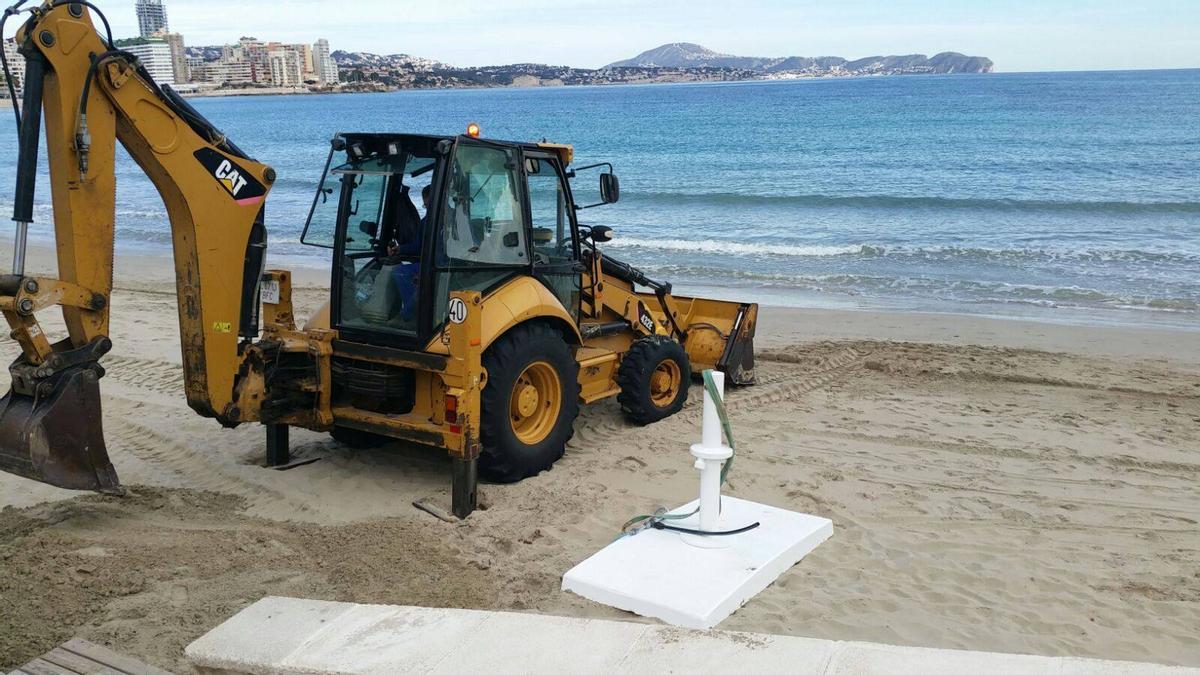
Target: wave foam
{"type": "Point", "coordinates": [735, 248]}
{"type": "Point", "coordinates": [918, 202]}
{"type": "Point", "coordinates": [926, 253]}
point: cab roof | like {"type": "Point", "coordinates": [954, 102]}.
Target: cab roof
{"type": "Point", "coordinates": [376, 142]}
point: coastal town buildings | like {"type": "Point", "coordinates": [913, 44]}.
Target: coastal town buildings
{"type": "Point", "coordinates": [253, 62]}
{"type": "Point", "coordinates": [152, 17]}
{"type": "Point", "coordinates": [248, 63]}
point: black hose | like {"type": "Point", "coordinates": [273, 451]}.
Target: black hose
{"type": "Point", "coordinates": [660, 525]}
{"type": "Point", "coordinates": [91, 74]}
{"type": "Point", "coordinates": [12, 91]}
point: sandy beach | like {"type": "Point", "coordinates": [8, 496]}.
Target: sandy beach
{"type": "Point", "coordinates": [994, 485]}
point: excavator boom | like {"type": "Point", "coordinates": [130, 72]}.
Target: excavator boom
{"type": "Point", "coordinates": [91, 95]}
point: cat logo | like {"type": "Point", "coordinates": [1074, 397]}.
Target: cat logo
{"type": "Point", "coordinates": [238, 182]}
{"type": "Point", "coordinates": [230, 177]}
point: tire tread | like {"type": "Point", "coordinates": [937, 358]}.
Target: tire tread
{"type": "Point", "coordinates": [633, 376]}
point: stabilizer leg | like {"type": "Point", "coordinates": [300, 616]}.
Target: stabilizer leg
{"type": "Point", "coordinates": [464, 487]}
{"type": "Point", "coordinates": [278, 452]}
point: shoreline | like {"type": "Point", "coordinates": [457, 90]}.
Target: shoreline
{"type": "Point", "coordinates": [542, 83]}
{"type": "Point", "coordinates": [309, 275]}
{"type": "Point", "coordinates": [779, 325]}
{"type": "Point", "coordinates": [552, 84]}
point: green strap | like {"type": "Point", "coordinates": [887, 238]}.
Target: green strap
{"type": "Point", "coordinates": [642, 521]}
{"type": "Point", "coordinates": [715, 394]}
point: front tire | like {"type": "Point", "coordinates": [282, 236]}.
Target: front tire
{"type": "Point", "coordinates": [529, 403]}
{"type": "Point", "coordinates": [654, 378]}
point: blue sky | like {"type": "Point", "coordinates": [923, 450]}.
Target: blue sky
{"type": "Point", "coordinates": [1019, 35]}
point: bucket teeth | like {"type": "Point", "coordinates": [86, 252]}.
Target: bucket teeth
{"type": "Point", "coordinates": [52, 431]}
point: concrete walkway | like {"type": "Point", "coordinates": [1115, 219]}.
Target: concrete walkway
{"type": "Point", "coordinates": [287, 636]}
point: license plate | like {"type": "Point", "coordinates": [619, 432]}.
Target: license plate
{"type": "Point", "coordinates": [269, 293]}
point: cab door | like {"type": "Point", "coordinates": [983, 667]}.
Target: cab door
{"type": "Point", "coordinates": [553, 231]}
{"type": "Point", "coordinates": [483, 233]}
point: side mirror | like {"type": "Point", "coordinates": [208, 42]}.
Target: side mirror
{"type": "Point", "coordinates": [610, 188]}
{"type": "Point", "coordinates": [602, 233]}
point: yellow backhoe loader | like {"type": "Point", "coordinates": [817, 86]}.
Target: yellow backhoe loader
{"type": "Point", "coordinates": [478, 327]}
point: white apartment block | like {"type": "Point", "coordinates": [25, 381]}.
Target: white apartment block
{"type": "Point", "coordinates": [152, 17]}
{"type": "Point", "coordinates": [222, 72]}
{"type": "Point", "coordinates": [285, 68]}
{"type": "Point", "coordinates": [16, 68]}
{"type": "Point", "coordinates": [155, 55]}
{"type": "Point", "coordinates": [324, 68]}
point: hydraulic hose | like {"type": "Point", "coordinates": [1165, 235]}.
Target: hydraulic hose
{"type": "Point", "coordinates": [12, 91]}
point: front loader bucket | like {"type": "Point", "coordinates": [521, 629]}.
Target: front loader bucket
{"type": "Point", "coordinates": [52, 432]}
{"type": "Point", "coordinates": [720, 335]}
{"type": "Point", "coordinates": [738, 359]}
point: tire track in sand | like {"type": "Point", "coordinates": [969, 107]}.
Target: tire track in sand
{"type": "Point", "coordinates": [776, 387]}
{"type": "Point", "coordinates": [160, 377]}
{"type": "Point", "coordinates": [187, 462]}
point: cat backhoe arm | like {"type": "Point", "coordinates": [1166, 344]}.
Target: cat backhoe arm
{"type": "Point", "coordinates": [93, 95]}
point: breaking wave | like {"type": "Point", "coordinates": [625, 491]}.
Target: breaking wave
{"type": "Point", "coordinates": [897, 202]}
{"type": "Point", "coordinates": [928, 253]}
{"type": "Point", "coordinates": [734, 247]}
{"type": "Point", "coordinates": [932, 287]}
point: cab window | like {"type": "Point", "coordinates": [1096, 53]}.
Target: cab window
{"type": "Point", "coordinates": [483, 222]}
{"type": "Point", "coordinates": [380, 248]}
{"type": "Point", "coordinates": [552, 238]}
{"type": "Point", "coordinates": [483, 240]}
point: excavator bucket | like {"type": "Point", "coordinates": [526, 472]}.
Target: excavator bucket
{"type": "Point", "coordinates": [51, 431]}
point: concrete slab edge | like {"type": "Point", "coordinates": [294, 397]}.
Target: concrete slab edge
{"type": "Point", "coordinates": [288, 636]}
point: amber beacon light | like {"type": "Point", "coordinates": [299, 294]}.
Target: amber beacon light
{"type": "Point", "coordinates": [473, 130]}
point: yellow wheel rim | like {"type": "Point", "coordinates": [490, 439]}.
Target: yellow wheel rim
{"type": "Point", "coordinates": [535, 402]}
{"type": "Point", "coordinates": [665, 382]}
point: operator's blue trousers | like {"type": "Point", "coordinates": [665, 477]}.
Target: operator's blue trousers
{"type": "Point", "coordinates": [407, 277]}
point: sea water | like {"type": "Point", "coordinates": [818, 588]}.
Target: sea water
{"type": "Point", "coordinates": [1054, 196]}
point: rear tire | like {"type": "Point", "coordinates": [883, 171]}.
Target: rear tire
{"type": "Point", "coordinates": [359, 440]}
{"type": "Point", "coordinates": [654, 378]}
{"type": "Point", "coordinates": [529, 403]}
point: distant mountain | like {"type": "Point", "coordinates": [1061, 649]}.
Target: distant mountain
{"type": "Point", "coordinates": [680, 62]}
{"type": "Point", "coordinates": [688, 55]}
{"type": "Point", "coordinates": [206, 52]}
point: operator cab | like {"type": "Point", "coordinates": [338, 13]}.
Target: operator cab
{"type": "Point", "coordinates": [497, 210]}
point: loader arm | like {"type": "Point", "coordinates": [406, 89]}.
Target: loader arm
{"type": "Point", "coordinates": [92, 96]}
